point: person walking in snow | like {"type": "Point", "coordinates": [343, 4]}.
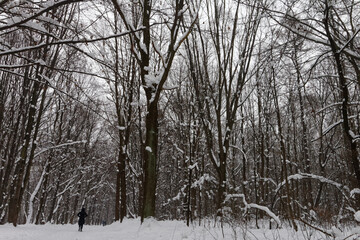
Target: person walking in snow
{"type": "Point", "coordinates": [82, 215]}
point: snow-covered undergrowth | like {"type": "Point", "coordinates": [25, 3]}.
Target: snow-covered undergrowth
{"type": "Point", "coordinates": [131, 229]}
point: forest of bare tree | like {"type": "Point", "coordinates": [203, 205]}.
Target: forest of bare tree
{"type": "Point", "coordinates": [236, 110]}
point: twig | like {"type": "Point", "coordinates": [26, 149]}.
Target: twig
{"type": "Point", "coordinates": [316, 228]}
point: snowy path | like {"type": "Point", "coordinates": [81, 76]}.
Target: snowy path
{"type": "Point", "coordinates": [151, 230]}
{"type": "Point", "coordinates": [128, 230]}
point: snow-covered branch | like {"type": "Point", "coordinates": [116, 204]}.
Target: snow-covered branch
{"type": "Point", "coordinates": [254, 205]}
{"type": "Point", "coordinates": [49, 6]}
{"type": "Point", "coordinates": [59, 146]}
{"type": "Point", "coordinates": [300, 176]}
{"type": "Point", "coordinates": [66, 41]}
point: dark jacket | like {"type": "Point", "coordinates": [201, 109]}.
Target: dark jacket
{"type": "Point", "coordinates": [82, 215]}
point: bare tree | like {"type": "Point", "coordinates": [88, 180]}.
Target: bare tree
{"type": "Point", "coordinates": [154, 72]}
{"type": "Point", "coordinates": [219, 71]}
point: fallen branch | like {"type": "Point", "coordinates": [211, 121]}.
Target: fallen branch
{"type": "Point", "coordinates": [316, 228]}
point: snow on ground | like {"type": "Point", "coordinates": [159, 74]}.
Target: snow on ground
{"type": "Point", "coordinates": [131, 229]}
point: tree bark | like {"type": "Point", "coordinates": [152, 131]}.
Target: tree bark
{"type": "Point", "coordinates": [150, 154]}
{"type": "Point", "coordinates": [20, 169]}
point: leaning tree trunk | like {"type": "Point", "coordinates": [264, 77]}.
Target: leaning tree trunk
{"type": "Point", "coordinates": [351, 153]}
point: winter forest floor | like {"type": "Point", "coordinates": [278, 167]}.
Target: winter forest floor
{"type": "Point", "coordinates": [161, 230]}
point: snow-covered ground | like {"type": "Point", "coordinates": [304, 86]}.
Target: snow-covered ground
{"type": "Point", "coordinates": [154, 230]}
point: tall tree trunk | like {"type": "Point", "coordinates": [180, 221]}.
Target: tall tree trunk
{"type": "Point", "coordinates": [221, 188]}
{"type": "Point", "coordinates": [351, 153]}
{"type": "Point", "coordinates": [283, 156]}
{"type": "Point", "coordinates": [54, 198]}
{"type": "Point", "coordinates": [117, 190]}
{"type": "Point", "coordinates": [150, 154]}
{"type": "Point", "coordinates": [13, 144]}
{"type": "Point", "coordinates": [120, 194]}
{"type": "Point", "coordinates": [123, 186]}
{"type": "Point", "coordinates": [20, 169]}
{"type": "Point", "coordinates": [152, 88]}
{"type": "Point", "coordinates": [307, 187]}
{"type": "Point", "coordinates": [43, 195]}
